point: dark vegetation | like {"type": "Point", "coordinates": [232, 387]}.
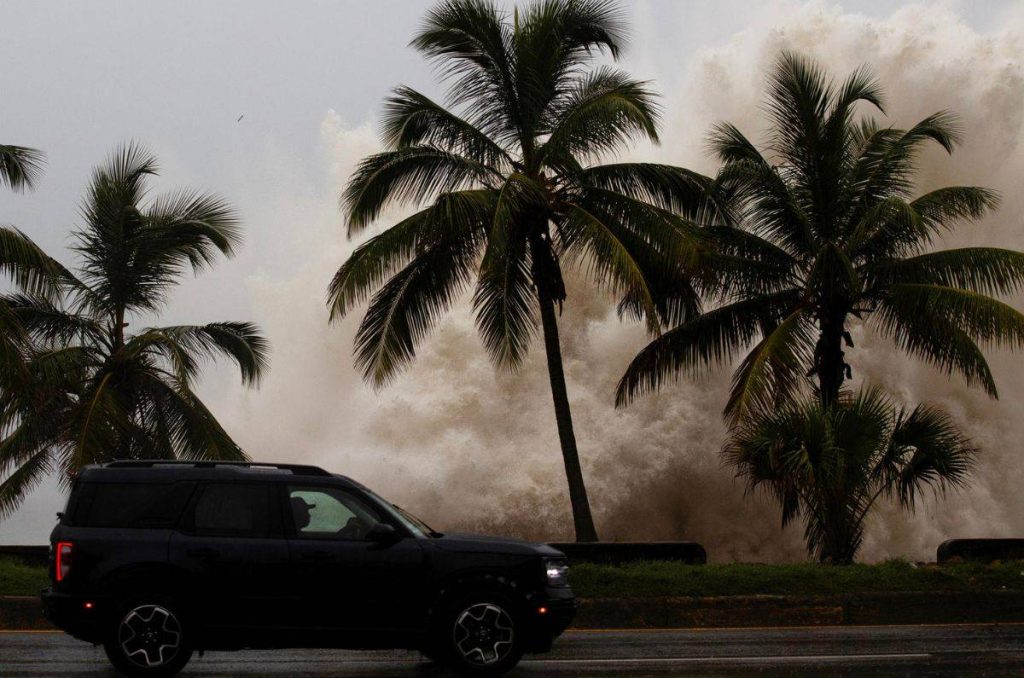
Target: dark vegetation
{"type": "Point", "coordinates": [676, 579]}
{"type": "Point", "coordinates": [20, 579]}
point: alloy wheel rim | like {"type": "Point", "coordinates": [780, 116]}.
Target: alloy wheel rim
{"type": "Point", "coordinates": [484, 633]}
{"type": "Point", "coordinates": [150, 635]}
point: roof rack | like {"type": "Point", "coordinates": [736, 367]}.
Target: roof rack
{"type": "Point", "coordinates": [297, 469]}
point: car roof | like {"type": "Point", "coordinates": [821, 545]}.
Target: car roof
{"type": "Point", "coordinates": [154, 471]}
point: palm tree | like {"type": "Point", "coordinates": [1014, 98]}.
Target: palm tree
{"type": "Point", "coordinates": [831, 464]}
{"type": "Point", "coordinates": [508, 172]}
{"type": "Point", "coordinates": [76, 386]}
{"type": "Point", "coordinates": [826, 233]}
{"type": "Point", "coordinates": [20, 167]}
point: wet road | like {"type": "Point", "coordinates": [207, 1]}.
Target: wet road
{"type": "Point", "coordinates": [976, 650]}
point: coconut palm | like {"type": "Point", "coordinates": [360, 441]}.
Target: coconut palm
{"type": "Point", "coordinates": [507, 177]}
{"type": "Point", "coordinates": [80, 387]}
{"type": "Point", "coordinates": [827, 233]}
{"type": "Point", "coordinates": [20, 167]}
{"type": "Point", "coordinates": [829, 465]}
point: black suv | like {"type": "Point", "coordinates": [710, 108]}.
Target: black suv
{"type": "Point", "coordinates": [158, 559]}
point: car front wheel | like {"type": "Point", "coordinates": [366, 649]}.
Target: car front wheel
{"type": "Point", "coordinates": [481, 635]}
{"type": "Point", "coordinates": [149, 637]}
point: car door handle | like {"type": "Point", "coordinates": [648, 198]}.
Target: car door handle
{"type": "Point", "coordinates": [318, 556]}
{"type": "Point", "coordinates": [202, 553]}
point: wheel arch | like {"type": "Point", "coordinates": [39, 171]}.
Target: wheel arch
{"type": "Point", "coordinates": [497, 579]}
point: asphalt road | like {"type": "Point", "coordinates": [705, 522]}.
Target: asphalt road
{"type": "Point", "coordinates": [976, 650]}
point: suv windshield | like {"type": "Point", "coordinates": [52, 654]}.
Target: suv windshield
{"type": "Point", "coordinates": [408, 520]}
{"type": "Point", "coordinates": [416, 521]}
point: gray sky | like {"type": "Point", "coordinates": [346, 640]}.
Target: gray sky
{"type": "Point", "coordinates": [78, 78]}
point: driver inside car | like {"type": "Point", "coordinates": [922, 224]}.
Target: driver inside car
{"type": "Point", "coordinates": [301, 512]}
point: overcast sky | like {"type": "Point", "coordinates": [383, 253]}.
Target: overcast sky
{"type": "Point", "coordinates": [77, 78]}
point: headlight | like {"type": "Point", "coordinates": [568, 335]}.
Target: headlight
{"type": "Point", "coordinates": [556, 572]}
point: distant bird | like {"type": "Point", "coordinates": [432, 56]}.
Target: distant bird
{"type": "Point", "coordinates": [240, 117]}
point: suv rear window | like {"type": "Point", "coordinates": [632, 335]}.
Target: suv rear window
{"type": "Point", "coordinates": [241, 510]}
{"type": "Point", "coordinates": [131, 505]}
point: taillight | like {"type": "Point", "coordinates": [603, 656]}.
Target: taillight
{"type": "Point", "coordinates": [64, 549]}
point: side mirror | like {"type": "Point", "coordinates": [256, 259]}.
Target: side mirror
{"type": "Point", "coordinates": [381, 532]}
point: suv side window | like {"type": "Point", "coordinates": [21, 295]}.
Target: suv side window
{"type": "Point", "coordinates": [234, 510]}
{"type": "Point", "coordinates": [330, 512]}
{"type": "Point", "coordinates": [128, 505]}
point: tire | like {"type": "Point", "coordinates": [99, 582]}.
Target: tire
{"type": "Point", "coordinates": [149, 635]}
{"type": "Point", "coordinates": [479, 633]}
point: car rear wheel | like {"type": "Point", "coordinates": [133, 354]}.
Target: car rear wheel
{"type": "Point", "coordinates": [480, 634]}
{"type": "Point", "coordinates": [148, 637]}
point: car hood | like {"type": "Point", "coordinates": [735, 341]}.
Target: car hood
{"type": "Point", "coordinates": [479, 543]}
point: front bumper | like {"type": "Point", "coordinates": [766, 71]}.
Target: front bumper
{"type": "Point", "coordinates": [77, 615]}
{"type": "Point", "coordinates": [550, 614]}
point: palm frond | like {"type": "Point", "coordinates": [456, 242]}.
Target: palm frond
{"type": "Point", "coordinates": [982, 270]}
{"type": "Point", "coordinates": [191, 225]}
{"type": "Point", "coordinates": [406, 308]}
{"type": "Point", "coordinates": [932, 452]}
{"type": "Point", "coordinates": [20, 167]}
{"type": "Point", "coordinates": [983, 318]}
{"type": "Point", "coordinates": [888, 157]}
{"type": "Point", "coordinates": [373, 262]}
{"type": "Point", "coordinates": [611, 259]}
{"type": "Point", "coordinates": [772, 372]}
{"type": "Point", "coordinates": [505, 302]}
{"type": "Point", "coordinates": [412, 119]}
{"type": "Point", "coordinates": [408, 175]}
{"type": "Point", "coordinates": [942, 208]}
{"type": "Point", "coordinates": [675, 189]}
{"type": "Point", "coordinates": [553, 42]}
{"type": "Point", "coordinates": [712, 338]}
{"type": "Point", "coordinates": [30, 269]}
{"type": "Point", "coordinates": [774, 211]}
{"type": "Point", "coordinates": [97, 425]}
{"type": "Point", "coordinates": [23, 480]}
{"type": "Point", "coordinates": [119, 181]}
{"type": "Point", "coordinates": [190, 430]}
{"type": "Point", "coordinates": [50, 324]}
{"type": "Point", "coordinates": [601, 113]}
{"type": "Point", "coordinates": [186, 346]}
{"type": "Point", "coordinates": [799, 97]}
{"type": "Point", "coordinates": [935, 339]}
{"type": "Point", "coordinates": [470, 43]}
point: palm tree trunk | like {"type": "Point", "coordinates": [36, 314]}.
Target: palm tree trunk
{"type": "Point", "coordinates": [581, 517]}
{"type": "Point", "coordinates": [831, 366]}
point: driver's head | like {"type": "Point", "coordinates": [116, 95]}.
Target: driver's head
{"type": "Point", "coordinates": [300, 512]}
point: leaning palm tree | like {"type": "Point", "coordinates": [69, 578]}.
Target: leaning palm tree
{"type": "Point", "coordinates": [20, 166]}
{"type": "Point", "coordinates": [826, 232]}
{"type": "Point", "coordinates": [507, 177]}
{"type": "Point", "coordinates": [80, 387]}
{"type": "Point", "coordinates": [830, 465]}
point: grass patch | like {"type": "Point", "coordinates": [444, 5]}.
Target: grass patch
{"type": "Point", "coordinates": [19, 579]}
{"type": "Point", "coordinates": [662, 578]}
